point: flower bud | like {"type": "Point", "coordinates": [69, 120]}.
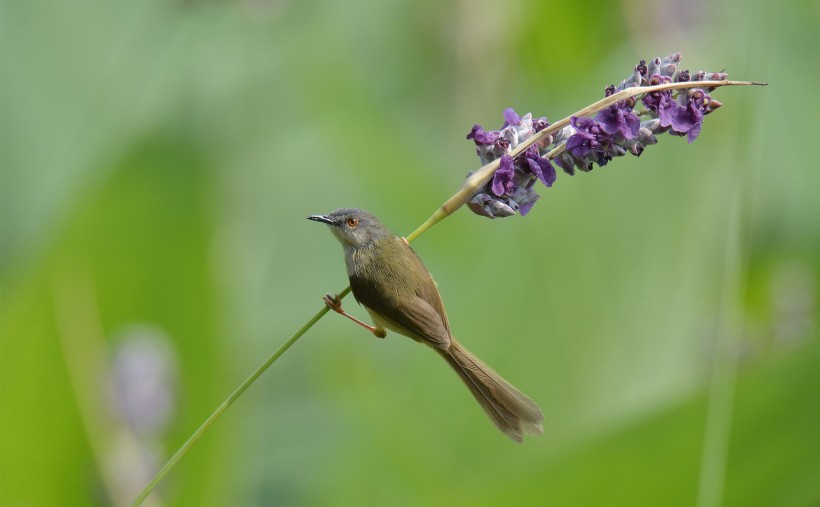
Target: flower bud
{"type": "Point", "coordinates": [654, 67]}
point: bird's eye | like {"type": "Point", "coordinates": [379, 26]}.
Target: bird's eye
{"type": "Point", "coordinates": [352, 222]}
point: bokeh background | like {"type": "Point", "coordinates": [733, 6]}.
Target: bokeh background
{"type": "Point", "coordinates": [159, 158]}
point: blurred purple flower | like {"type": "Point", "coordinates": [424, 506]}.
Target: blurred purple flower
{"type": "Point", "coordinates": [144, 369]}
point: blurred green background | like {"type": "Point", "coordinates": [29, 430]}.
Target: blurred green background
{"type": "Point", "coordinates": [158, 161]}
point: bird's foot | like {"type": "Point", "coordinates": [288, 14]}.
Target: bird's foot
{"type": "Point", "coordinates": [333, 302]}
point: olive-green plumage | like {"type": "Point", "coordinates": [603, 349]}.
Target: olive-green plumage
{"type": "Point", "coordinates": [390, 281]}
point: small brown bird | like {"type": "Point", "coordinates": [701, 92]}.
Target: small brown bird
{"type": "Point", "coordinates": [390, 281]}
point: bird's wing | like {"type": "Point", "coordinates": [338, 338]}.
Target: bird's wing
{"type": "Point", "coordinates": [422, 319]}
{"type": "Point", "coordinates": [414, 317]}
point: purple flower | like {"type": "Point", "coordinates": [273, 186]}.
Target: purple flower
{"type": "Point", "coordinates": [480, 136]}
{"type": "Point", "coordinates": [540, 167]}
{"type": "Point", "coordinates": [526, 207]}
{"type": "Point", "coordinates": [645, 137]}
{"type": "Point", "coordinates": [589, 136]}
{"type": "Point", "coordinates": [567, 163]}
{"type": "Point", "coordinates": [685, 119]}
{"type": "Point", "coordinates": [654, 100]}
{"type": "Point", "coordinates": [524, 198]}
{"type": "Point", "coordinates": [504, 177]}
{"type": "Point", "coordinates": [540, 124]}
{"type": "Point", "coordinates": [619, 119]}
{"type": "Point", "coordinates": [510, 118]}
{"type": "Point", "coordinates": [580, 144]}
{"type": "Point", "coordinates": [587, 142]}
{"type": "Point", "coordinates": [510, 190]}
{"type": "Point", "coordinates": [690, 117]}
{"type": "Point", "coordinates": [667, 110]}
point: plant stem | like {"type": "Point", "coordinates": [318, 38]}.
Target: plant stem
{"type": "Point", "coordinates": [477, 180]}
{"type": "Point", "coordinates": [228, 402]}
{"type": "Point", "coordinates": [725, 363]}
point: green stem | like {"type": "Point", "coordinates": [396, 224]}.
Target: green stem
{"type": "Point", "coordinates": [726, 354]}
{"type": "Point", "coordinates": [228, 402]}
{"type": "Point", "coordinates": [438, 216]}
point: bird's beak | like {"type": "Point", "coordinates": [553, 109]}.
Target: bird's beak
{"type": "Point", "coordinates": [320, 218]}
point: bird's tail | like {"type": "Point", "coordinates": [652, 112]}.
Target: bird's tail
{"type": "Point", "coordinates": [510, 409]}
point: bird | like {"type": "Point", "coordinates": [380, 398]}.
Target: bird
{"type": "Point", "coordinates": [390, 281]}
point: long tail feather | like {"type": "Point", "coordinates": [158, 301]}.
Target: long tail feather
{"type": "Point", "coordinates": [511, 410]}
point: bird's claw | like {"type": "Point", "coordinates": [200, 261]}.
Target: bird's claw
{"type": "Point", "coordinates": [333, 302]}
